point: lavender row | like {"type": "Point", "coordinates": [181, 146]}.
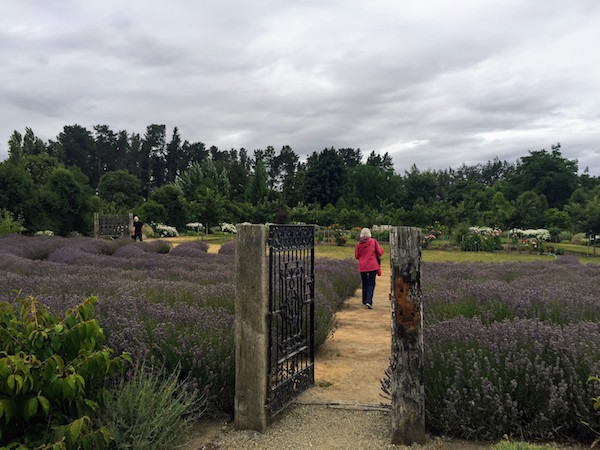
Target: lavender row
{"type": "Point", "coordinates": [174, 306]}
{"type": "Point", "coordinates": [561, 291]}
{"type": "Point", "coordinates": [520, 377]}
{"type": "Point", "coordinates": [509, 348]}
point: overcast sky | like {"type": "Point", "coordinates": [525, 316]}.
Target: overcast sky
{"type": "Point", "coordinates": [435, 83]}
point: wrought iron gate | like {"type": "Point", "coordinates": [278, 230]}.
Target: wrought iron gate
{"type": "Point", "coordinates": [291, 314]}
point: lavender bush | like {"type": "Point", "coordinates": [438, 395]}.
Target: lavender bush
{"type": "Point", "coordinates": [173, 306]}
{"type": "Point", "coordinates": [509, 348]}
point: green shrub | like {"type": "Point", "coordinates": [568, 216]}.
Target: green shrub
{"type": "Point", "coordinates": [8, 223]}
{"type": "Point", "coordinates": [148, 231]}
{"type": "Point", "coordinates": [565, 236]}
{"type": "Point", "coordinates": [150, 409]}
{"type": "Point", "coordinates": [579, 239]}
{"type": "Point", "coordinates": [51, 375]}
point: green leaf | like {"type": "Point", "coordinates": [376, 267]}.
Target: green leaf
{"type": "Point", "coordinates": [55, 343]}
{"type": "Point", "coordinates": [45, 404]}
{"type": "Point", "coordinates": [4, 370]}
{"type": "Point", "coordinates": [56, 387]}
{"type": "Point", "coordinates": [10, 408]}
{"type": "Point", "coordinates": [19, 382]}
{"type": "Point", "coordinates": [91, 328]}
{"type": "Point", "coordinates": [105, 434]}
{"type": "Point", "coordinates": [30, 408]}
{"type": "Point", "coordinates": [102, 360]}
{"type": "Point", "coordinates": [59, 363]}
{"type": "Point", "coordinates": [67, 390]}
{"type": "Point", "coordinates": [75, 429]}
{"type": "Point", "coordinates": [91, 404]}
{"type": "Point", "coordinates": [10, 382]}
{"type": "Point", "coordinates": [80, 380]}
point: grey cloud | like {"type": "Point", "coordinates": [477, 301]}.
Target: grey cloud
{"type": "Point", "coordinates": [433, 83]}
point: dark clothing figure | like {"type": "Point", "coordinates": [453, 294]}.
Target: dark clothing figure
{"type": "Point", "coordinates": [137, 229]}
{"type": "Point", "coordinates": [368, 287]}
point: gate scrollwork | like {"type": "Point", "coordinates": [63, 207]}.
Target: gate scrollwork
{"type": "Point", "coordinates": [291, 314]}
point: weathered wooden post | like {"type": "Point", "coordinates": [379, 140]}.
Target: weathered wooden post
{"type": "Point", "coordinates": [250, 329]}
{"type": "Point", "coordinates": [406, 362]}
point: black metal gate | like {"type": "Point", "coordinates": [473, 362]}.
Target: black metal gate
{"type": "Point", "coordinates": [291, 314]}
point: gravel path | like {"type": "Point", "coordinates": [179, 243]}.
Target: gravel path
{"type": "Point", "coordinates": [324, 427]}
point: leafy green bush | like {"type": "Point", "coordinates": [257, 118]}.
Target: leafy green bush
{"type": "Point", "coordinates": [565, 236]}
{"type": "Point", "coordinates": [475, 239]}
{"type": "Point", "coordinates": [150, 409]}
{"type": "Point", "coordinates": [8, 223]}
{"type": "Point", "coordinates": [51, 375]}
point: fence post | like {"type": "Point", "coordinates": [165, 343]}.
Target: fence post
{"type": "Point", "coordinates": [250, 329]}
{"type": "Point", "coordinates": [96, 225]}
{"type": "Point", "coordinates": [406, 362]}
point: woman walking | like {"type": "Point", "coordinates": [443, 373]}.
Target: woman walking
{"type": "Point", "coordinates": [368, 252]}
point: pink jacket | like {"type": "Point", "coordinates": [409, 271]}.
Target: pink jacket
{"type": "Point", "coordinates": [365, 253]}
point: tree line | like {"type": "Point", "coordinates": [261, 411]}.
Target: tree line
{"type": "Point", "coordinates": [59, 184]}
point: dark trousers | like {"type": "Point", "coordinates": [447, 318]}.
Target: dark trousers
{"type": "Point", "coordinates": [137, 236]}
{"type": "Point", "coordinates": [368, 286]}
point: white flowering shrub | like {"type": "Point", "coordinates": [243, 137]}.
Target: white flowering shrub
{"type": "Point", "coordinates": [541, 234]}
{"type": "Point", "coordinates": [228, 228]}
{"type": "Point", "coordinates": [44, 233]}
{"type": "Point", "coordinates": [195, 225]}
{"type": "Point", "coordinates": [475, 239]}
{"type": "Point", "coordinates": [165, 230]}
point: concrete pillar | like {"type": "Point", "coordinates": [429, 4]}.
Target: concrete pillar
{"type": "Point", "coordinates": [250, 331]}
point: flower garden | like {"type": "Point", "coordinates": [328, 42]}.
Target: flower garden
{"type": "Point", "coordinates": [508, 347]}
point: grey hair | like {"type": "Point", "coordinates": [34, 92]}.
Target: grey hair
{"type": "Point", "coordinates": [365, 232]}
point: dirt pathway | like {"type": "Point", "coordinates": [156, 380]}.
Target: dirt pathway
{"type": "Point", "coordinates": [350, 365]}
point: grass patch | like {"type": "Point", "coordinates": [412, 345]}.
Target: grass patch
{"type": "Point", "coordinates": [508, 445]}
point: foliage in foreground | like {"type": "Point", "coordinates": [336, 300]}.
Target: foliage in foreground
{"type": "Point", "coordinates": [176, 308]}
{"type": "Point", "coordinates": [150, 409]}
{"type": "Point", "coordinates": [51, 375]}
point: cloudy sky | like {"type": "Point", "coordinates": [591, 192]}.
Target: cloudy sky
{"type": "Point", "coordinates": [435, 83]}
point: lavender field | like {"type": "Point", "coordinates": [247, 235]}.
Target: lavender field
{"type": "Point", "coordinates": [169, 305]}
{"type": "Point", "coordinates": [509, 348]}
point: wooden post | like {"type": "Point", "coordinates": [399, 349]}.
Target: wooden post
{"type": "Point", "coordinates": [251, 327]}
{"type": "Point", "coordinates": [406, 362]}
{"type": "Point", "coordinates": [96, 225]}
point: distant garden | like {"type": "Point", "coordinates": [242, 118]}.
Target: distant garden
{"type": "Point", "coordinates": [56, 186]}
